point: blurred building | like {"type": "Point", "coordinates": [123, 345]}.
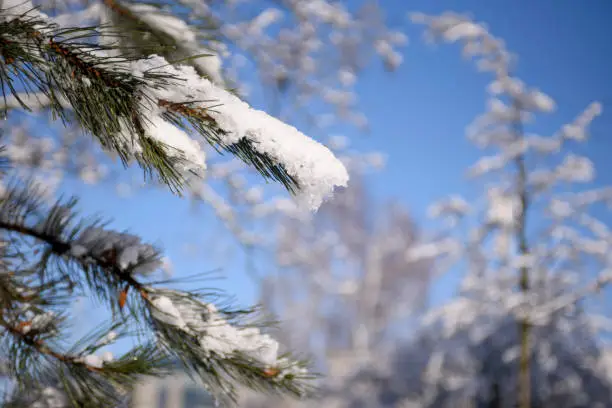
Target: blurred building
{"type": "Point", "coordinates": [174, 391]}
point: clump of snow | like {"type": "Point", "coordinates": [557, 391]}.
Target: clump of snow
{"type": "Point", "coordinates": [576, 169]}
{"type": "Point", "coordinates": [313, 165]}
{"type": "Point", "coordinates": [288, 368]}
{"type": "Point", "coordinates": [125, 249]}
{"type": "Point", "coordinates": [185, 37]}
{"type": "Point", "coordinates": [217, 336]}
{"type": "Point", "coordinates": [107, 357]}
{"type": "Point", "coordinates": [503, 208]}
{"type": "Point", "coordinates": [176, 142]}
{"type": "Point", "coordinates": [97, 361]}
{"type": "Point", "coordinates": [164, 311]}
{"type": "Point", "coordinates": [560, 208]}
{"type": "Point", "coordinates": [577, 129]}
{"type": "Point", "coordinates": [447, 246]}
{"type": "Point", "coordinates": [39, 322]}
{"type": "Point", "coordinates": [453, 206]}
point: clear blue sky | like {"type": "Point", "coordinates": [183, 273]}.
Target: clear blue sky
{"type": "Point", "coordinates": [418, 115]}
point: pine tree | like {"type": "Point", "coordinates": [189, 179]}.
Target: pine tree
{"type": "Point", "coordinates": [146, 109]}
{"type": "Point", "coordinates": [530, 250]}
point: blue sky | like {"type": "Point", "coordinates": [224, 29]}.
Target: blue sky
{"type": "Point", "coordinates": [418, 116]}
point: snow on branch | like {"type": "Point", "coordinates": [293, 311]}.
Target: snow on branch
{"type": "Point", "coordinates": [223, 346]}
{"type": "Point", "coordinates": [150, 100]}
{"type": "Point", "coordinates": [314, 167]}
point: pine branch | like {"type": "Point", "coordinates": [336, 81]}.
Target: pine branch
{"type": "Point", "coordinates": [107, 100]}
{"type": "Point", "coordinates": [212, 344]}
{"type": "Point", "coordinates": [65, 65]}
{"type": "Point", "coordinates": [206, 126]}
{"type": "Point", "coordinates": [141, 39]}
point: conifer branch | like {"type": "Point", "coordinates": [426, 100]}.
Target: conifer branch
{"type": "Point", "coordinates": [218, 346]}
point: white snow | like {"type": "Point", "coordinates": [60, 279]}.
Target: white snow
{"type": "Point", "coordinates": [178, 141]}
{"type": "Point", "coordinates": [130, 251]}
{"type": "Point", "coordinates": [576, 169]}
{"type": "Point", "coordinates": [431, 250]}
{"type": "Point", "coordinates": [560, 208]}
{"type": "Point", "coordinates": [503, 208]}
{"type": "Point", "coordinates": [39, 322]}
{"type": "Point", "coordinates": [218, 337]}
{"type": "Point", "coordinates": [107, 357]}
{"type": "Point", "coordinates": [93, 361]}
{"type": "Point", "coordinates": [313, 165]}
{"type": "Point", "coordinates": [453, 206]}
{"type": "Point", "coordinates": [110, 337]}
{"type": "Point", "coordinates": [184, 35]}
{"type": "Point", "coordinates": [165, 311]}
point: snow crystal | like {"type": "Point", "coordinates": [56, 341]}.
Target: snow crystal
{"type": "Point", "coordinates": [313, 165]}
{"type": "Point", "coordinates": [289, 369]}
{"type": "Point", "coordinates": [174, 137]}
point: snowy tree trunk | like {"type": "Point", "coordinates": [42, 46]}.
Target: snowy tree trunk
{"type": "Point", "coordinates": [524, 383]}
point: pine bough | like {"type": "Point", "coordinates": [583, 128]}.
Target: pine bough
{"type": "Point", "coordinates": [143, 110]}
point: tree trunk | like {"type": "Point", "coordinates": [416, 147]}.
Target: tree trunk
{"type": "Point", "coordinates": [524, 329]}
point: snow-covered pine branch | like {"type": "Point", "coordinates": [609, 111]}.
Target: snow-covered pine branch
{"type": "Point", "coordinates": [73, 257]}
{"type": "Point", "coordinates": [150, 98]}
{"type": "Point", "coordinates": [142, 109]}
{"type": "Point", "coordinates": [237, 44]}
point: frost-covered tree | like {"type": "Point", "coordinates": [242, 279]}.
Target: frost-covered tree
{"type": "Point", "coordinates": [531, 247]}
{"type": "Point", "coordinates": [149, 110]}
{"type": "Point", "coordinates": [344, 290]}
{"type": "Point", "coordinates": [474, 366]}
